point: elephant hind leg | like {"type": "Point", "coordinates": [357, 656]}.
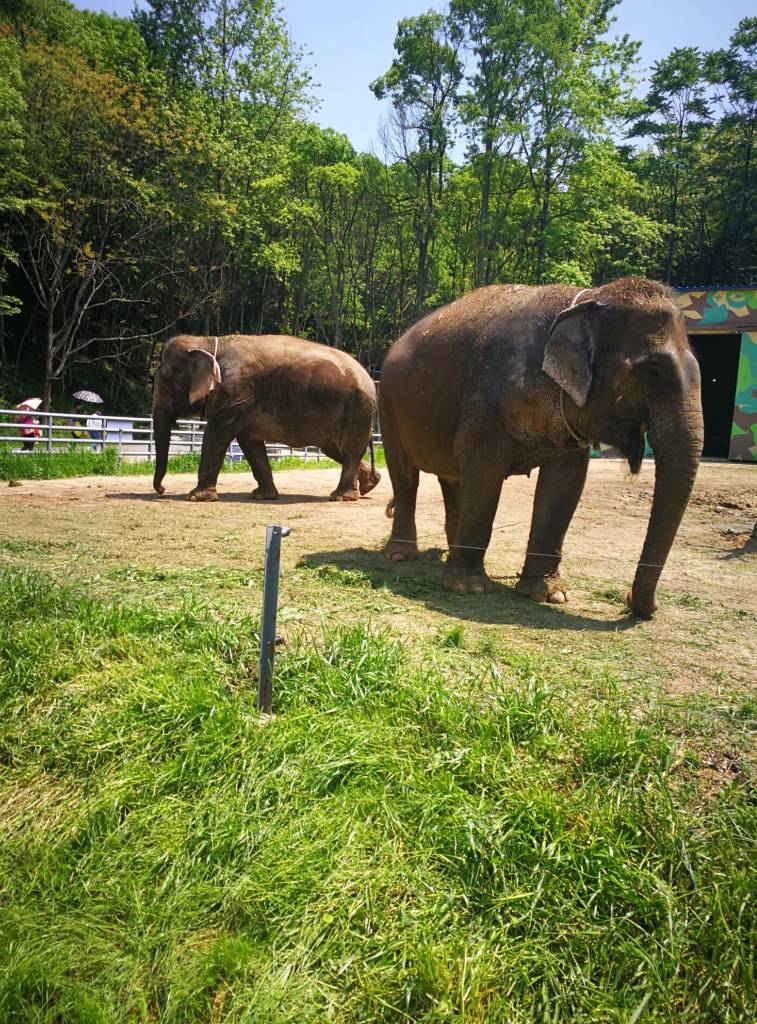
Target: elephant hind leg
{"type": "Point", "coordinates": [403, 540]}
{"type": "Point", "coordinates": [451, 495]}
{"type": "Point", "coordinates": [367, 477]}
{"type": "Point", "coordinates": [348, 488]}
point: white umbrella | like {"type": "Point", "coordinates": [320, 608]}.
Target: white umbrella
{"type": "Point", "coordinates": [30, 403]}
{"type": "Point", "coordinates": [88, 396]}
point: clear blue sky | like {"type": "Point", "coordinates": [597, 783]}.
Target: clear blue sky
{"type": "Point", "coordinates": [350, 42]}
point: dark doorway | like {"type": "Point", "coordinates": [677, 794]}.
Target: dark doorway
{"type": "Point", "coordinates": [718, 356]}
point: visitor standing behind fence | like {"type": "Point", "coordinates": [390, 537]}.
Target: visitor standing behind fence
{"type": "Point", "coordinates": [81, 421]}
{"type": "Point", "coordinates": [30, 429]}
{"type": "Point", "coordinates": [95, 424]}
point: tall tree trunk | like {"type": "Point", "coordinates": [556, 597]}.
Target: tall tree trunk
{"type": "Point", "coordinates": [47, 387]}
{"type": "Point", "coordinates": [483, 249]}
{"type": "Point", "coordinates": [541, 246]}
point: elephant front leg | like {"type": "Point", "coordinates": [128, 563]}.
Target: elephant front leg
{"type": "Point", "coordinates": [257, 456]}
{"type": "Point", "coordinates": [558, 491]}
{"type": "Point", "coordinates": [471, 506]}
{"type": "Point", "coordinates": [214, 445]}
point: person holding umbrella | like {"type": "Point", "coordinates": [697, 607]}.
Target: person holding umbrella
{"type": "Point", "coordinates": [94, 419]}
{"type": "Point", "coordinates": [30, 429]}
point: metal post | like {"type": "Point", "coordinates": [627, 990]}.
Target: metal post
{"type": "Point", "coordinates": [49, 432]}
{"type": "Point", "coordinates": [149, 443]}
{"type": "Point", "coordinates": [273, 537]}
{"type": "Point", "coordinates": [120, 449]}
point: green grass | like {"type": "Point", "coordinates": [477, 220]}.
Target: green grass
{"type": "Point", "coordinates": [440, 837]}
{"type": "Point", "coordinates": [40, 465]}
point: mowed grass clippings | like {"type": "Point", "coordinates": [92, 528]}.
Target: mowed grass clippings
{"type": "Point", "coordinates": [455, 838]}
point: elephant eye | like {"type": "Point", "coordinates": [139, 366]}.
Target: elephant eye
{"type": "Point", "coordinates": [654, 368]}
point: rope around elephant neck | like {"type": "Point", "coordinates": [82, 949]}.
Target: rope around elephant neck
{"type": "Point", "coordinates": [581, 442]}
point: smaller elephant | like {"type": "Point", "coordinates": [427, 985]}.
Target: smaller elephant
{"type": "Point", "coordinates": [259, 388]}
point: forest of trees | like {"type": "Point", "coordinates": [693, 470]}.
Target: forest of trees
{"type": "Point", "coordinates": [162, 173]}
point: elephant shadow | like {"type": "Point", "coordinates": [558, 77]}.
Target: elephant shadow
{"type": "Point", "coordinates": [420, 580]}
{"type": "Point", "coordinates": [224, 497]}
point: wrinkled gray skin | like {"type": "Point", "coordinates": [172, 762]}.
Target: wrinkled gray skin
{"type": "Point", "coordinates": [273, 388]}
{"type": "Point", "coordinates": [471, 393]}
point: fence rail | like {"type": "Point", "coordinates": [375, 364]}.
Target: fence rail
{"type": "Point", "coordinates": [131, 436]}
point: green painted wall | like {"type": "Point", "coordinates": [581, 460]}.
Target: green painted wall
{"type": "Point", "coordinates": [725, 309]}
{"type": "Point", "coordinates": [744, 430]}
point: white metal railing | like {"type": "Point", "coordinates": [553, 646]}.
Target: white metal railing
{"type": "Point", "coordinates": [132, 436]}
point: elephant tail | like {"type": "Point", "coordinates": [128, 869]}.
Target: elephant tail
{"type": "Point", "coordinates": [389, 510]}
{"type": "Point", "coordinates": [373, 454]}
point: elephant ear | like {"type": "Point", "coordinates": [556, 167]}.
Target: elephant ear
{"type": "Point", "coordinates": [569, 355]}
{"type": "Point", "coordinates": [202, 379]}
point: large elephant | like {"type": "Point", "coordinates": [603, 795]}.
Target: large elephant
{"type": "Point", "coordinates": [265, 388]}
{"type": "Point", "coordinates": [511, 377]}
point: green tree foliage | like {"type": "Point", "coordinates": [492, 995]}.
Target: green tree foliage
{"type": "Point", "coordinates": [161, 173]}
{"type": "Point", "coordinates": [675, 116]}
{"type": "Point", "coordinates": [422, 83]}
{"type": "Point", "coordinates": [733, 72]}
{"type": "Point", "coordinates": [12, 166]}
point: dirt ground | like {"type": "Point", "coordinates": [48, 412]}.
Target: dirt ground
{"type": "Point", "coordinates": [703, 638]}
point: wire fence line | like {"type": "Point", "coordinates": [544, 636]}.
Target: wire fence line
{"type": "Point", "coordinates": [132, 437]}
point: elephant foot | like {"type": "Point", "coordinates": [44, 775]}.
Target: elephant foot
{"type": "Point", "coordinates": [264, 494]}
{"type": "Point", "coordinates": [203, 494]}
{"type": "Point", "coordinates": [367, 479]}
{"type": "Point", "coordinates": [352, 495]}
{"type": "Point", "coordinates": [400, 551]}
{"type": "Point", "coordinates": [643, 607]}
{"type": "Point", "coordinates": [543, 589]}
{"type": "Point", "coordinates": [457, 581]}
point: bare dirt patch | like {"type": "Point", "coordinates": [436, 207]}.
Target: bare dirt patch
{"type": "Point", "coordinates": [703, 639]}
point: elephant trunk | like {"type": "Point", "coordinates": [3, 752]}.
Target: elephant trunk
{"type": "Point", "coordinates": [162, 423]}
{"type": "Point", "coordinates": [676, 433]}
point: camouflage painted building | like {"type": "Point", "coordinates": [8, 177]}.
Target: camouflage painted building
{"type": "Point", "coordinates": [722, 327]}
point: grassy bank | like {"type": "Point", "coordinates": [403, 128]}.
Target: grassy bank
{"type": "Point", "coordinates": [431, 835]}
{"type": "Point", "coordinates": [40, 465]}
